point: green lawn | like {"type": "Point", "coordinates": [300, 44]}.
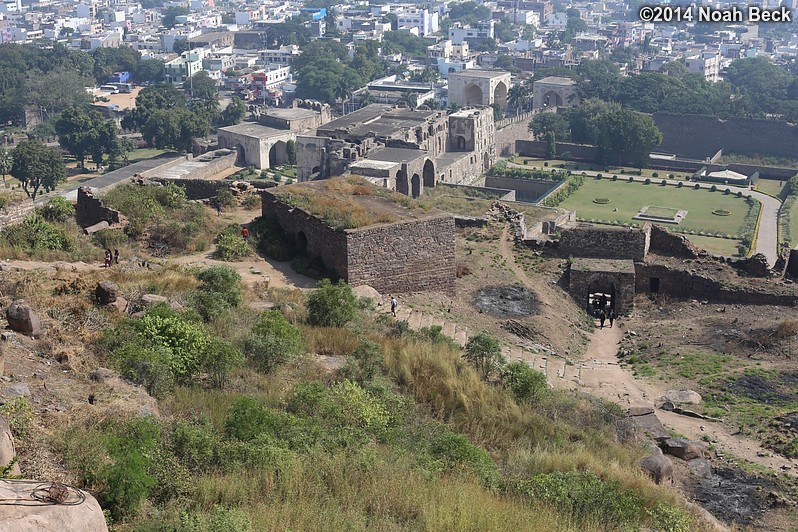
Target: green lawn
{"type": "Point", "coordinates": [144, 153]}
{"type": "Point", "coordinates": [628, 198]}
{"type": "Point", "coordinates": [719, 246]}
{"type": "Point", "coordinates": [771, 186]}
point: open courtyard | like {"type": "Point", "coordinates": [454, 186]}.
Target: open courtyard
{"type": "Point", "coordinates": [626, 199]}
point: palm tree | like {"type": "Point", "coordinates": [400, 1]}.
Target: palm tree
{"type": "Point", "coordinates": [6, 162]}
{"type": "Point", "coordinates": [516, 96]}
{"type": "Point", "coordinates": [410, 98]}
{"type": "Point", "coordinates": [344, 92]}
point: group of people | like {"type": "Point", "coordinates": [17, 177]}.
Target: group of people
{"type": "Point", "coordinates": [602, 310]}
{"type": "Point", "coordinates": [111, 258]}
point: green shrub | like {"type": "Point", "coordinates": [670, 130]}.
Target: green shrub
{"type": "Point", "coordinates": [185, 340]}
{"type": "Point", "coordinates": [697, 186]}
{"type": "Point", "coordinates": [219, 359]}
{"type": "Point", "coordinates": [273, 341]}
{"type": "Point", "coordinates": [57, 209]}
{"type": "Point", "coordinates": [221, 519]}
{"type": "Point", "coordinates": [713, 188]}
{"type": "Point", "coordinates": [545, 163]}
{"type": "Point", "coordinates": [484, 352]}
{"type": "Point", "coordinates": [525, 383]}
{"type": "Point", "coordinates": [251, 201]}
{"type": "Point", "coordinates": [664, 182]}
{"type": "Point", "coordinates": [365, 363]}
{"type": "Point", "coordinates": [739, 194]}
{"type": "Point", "coordinates": [109, 238]}
{"type": "Point", "coordinates": [727, 192]}
{"type": "Point", "coordinates": [225, 197]}
{"type": "Point", "coordinates": [126, 481]}
{"type": "Point", "coordinates": [231, 246]}
{"type": "Point", "coordinates": [193, 442]}
{"type": "Point", "coordinates": [249, 418]}
{"type": "Point", "coordinates": [36, 234]}
{"type": "Point", "coordinates": [271, 240]}
{"type": "Point", "coordinates": [615, 178]}
{"type": "Point", "coordinates": [647, 181]}
{"type": "Point", "coordinates": [145, 365]}
{"type": "Point", "coordinates": [19, 414]}
{"type": "Point", "coordinates": [655, 174]}
{"type": "Point", "coordinates": [331, 305]}
{"type": "Point", "coordinates": [586, 497]}
{"type": "Point", "coordinates": [218, 283]}
{"type": "Point", "coordinates": [680, 184]}
{"type": "Point", "coordinates": [631, 179]}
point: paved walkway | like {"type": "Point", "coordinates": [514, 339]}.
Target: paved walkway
{"type": "Point", "coordinates": [767, 237]}
{"type": "Point", "coordinates": [111, 178]}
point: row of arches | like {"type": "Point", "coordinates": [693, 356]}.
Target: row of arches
{"type": "Point", "coordinates": [413, 186]}
{"type": "Point", "coordinates": [473, 95]}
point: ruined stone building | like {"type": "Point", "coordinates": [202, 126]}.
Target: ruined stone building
{"type": "Point", "coordinates": [401, 149]}
{"type": "Point", "coordinates": [262, 144]}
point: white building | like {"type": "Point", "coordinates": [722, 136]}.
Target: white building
{"type": "Point", "coordinates": [420, 19]}
{"type": "Point", "coordinates": [180, 69]}
{"type": "Point", "coordinates": [706, 63]}
{"type": "Point", "coordinates": [483, 30]}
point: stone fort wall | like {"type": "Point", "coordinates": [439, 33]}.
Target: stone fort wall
{"type": "Point", "coordinates": [410, 256]}
{"type": "Point", "coordinates": [606, 243]}
{"type": "Point", "coordinates": [698, 137]}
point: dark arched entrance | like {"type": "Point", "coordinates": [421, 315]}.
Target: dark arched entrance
{"type": "Point", "coordinates": [301, 242]}
{"type": "Point", "coordinates": [602, 293]}
{"type": "Point", "coordinates": [415, 182]}
{"type": "Point", "coordinates": [460, 143]}
{"type": "Point", "coordinates": [402, 186]}
{"type": "Point", "coordinates": [485, 162]}
{"type": "Point", "coordinates": [428, 174]}
{"type": "Point", "coordinates": [241, 157]}
{"type": "Point", "coordinates": [278, 154]}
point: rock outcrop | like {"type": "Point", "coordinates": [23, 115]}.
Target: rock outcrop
{"type": "Point", "coordinates": [22, 318]}
{"type": "Point", "coordinates": [106, 292]}
{"type": "Point", "coordinates": [7, 451]}
{"type": "Point", "coordinates": [685, 449]}
{"type": "Point", "coordinates": [658, 467]}
{"type": "Point", "coordinates": [41, 512]}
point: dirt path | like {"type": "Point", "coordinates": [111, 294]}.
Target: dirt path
{"type": "Point", "coordinates": [602, 376]}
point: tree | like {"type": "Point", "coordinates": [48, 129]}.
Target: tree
{"type": "Point", "coordinates": [517, 95]}
{"type": "Point", "coordinates": [53, 91]}
{"type": "Point", "coordinates": [171, 13]}
{"type": "Point", "coordinates": [180, 46]}
{"type": "Point", "coordinates": [551, 145]}
{"type": "Point", "coordinates": [149, 70]}
{"type": "Point", "coordinates": [542, 123]}
{"type": "Point", "coordinates": [151, 99]}
{"type": "Point", "coordinates": [78, 132]}
{"type": "Point", "coordinates": [484, 352]}
{"type": "Point", "coordinates": [66, 31]}
{"type": "Point", "coordinates": [600, 79]}
{"type": "Point", "coordinates": [202, 87]}
{"type": "Point", "coordinates": [626, 135]}
{"type": "Point", "coordinates": [504, 62]}
{"type": "Point", "coordinates": [234, 112]}
{"type": "Point", "coordinates": [410, 98]}
{"type": "Point", "coordinates": [36, 165]}
{"type": "Point", "coordinates": [6, 162]}
{"type": "Point", "coordinates": [331, 305]}
{"type": "Point", "coordinates": [582, 119]}
{"type": "Point", "coordinates": [290, 151]}
{"type": "Point", "coordinates": [174, 129]}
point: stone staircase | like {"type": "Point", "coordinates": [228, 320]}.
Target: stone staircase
{"type": "Point", "coordinates": [557, 371]}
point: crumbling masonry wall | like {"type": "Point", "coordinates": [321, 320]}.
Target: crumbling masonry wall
{"type": "Point", "coordinates": [90, 210]}
{"type": "Point", "coordinates": [415, 255]}
{"type": "Point", "coordinates": [606, 243]}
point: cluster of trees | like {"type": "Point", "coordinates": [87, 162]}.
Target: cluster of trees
{"type": "Point", "coordinates": [83, 132]}
{"type": "Point", "coordinates": [325, 72]}
{"type": "Point", "coordinates": [620, 134]}
{"type": "Point", "coordinates": [167, 120]}
{"type": "Point", "coordinates": [36, 166]}
{"type": "Point", "coordinates": [754, 88]}
{"type": "Point", "coordinates": [48, 80]}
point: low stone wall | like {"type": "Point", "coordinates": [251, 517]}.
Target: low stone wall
{"type": "Point", "coordinates": [537, 148]}
{"type": "Point", "coordinates": [90, 210]}
{"type": "Point", "coordinates": [213, 167]}
{"type": "Point", "coordinates": [683, 284]}
{"type": "Point", "coordinates": [416, 255]}
{"type": "Point", "coordinates": [308, 233]}
{"type": "Point", "coordinates": [506, 138]}
{"type": "Point", "coordinates": [605, 243]}
{"type": "Point", "coordinates": [13, 214]}
{"type": "Point", "coordinates": [529, 190]}
{"type": "Point", "coordinates": [671, 244]}
{"type": "Point", "coordinates": [502, 194]}
{"type": "Point", "coordinates": [620, 282]}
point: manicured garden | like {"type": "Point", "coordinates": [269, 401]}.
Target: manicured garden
{"type": "Point", "coordinates": [626, 199]}
{"type": "Point", "coordinates": [561, 164]}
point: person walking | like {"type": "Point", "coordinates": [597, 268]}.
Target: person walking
{"type": "Point", "coordinates": [611, 316]}
{"type": "Point", "coordinates": [218, 207]}
{"type": "Point", "coordinates": [116, 257]}
{"type": "Point", "coordinates": [602, 317]}
{"type": "Point", "coordinates": [107, 258]}
{"type": "Point", "coordinates": [245, 234]}
{"type": "Point", "coordinates": [394, 304]}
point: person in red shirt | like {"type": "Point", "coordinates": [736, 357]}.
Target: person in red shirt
{"type": "Point", "coordinates": [245, 233]}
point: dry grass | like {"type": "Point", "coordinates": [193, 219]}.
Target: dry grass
{"type": "Point", "coordinates": [329, 341]}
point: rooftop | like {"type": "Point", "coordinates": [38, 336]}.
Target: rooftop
{"type": "Point", "coordinates": [378, 119]}
{"type": "Point", "coordinates": [250, 129]}
{"type": "Point", "coordinates": [295, 113]}
{"type": "Point", "coordinates": [351, 202]}
{"type": "Point", "coordinates": [395, 155]}
{"type": "Point", "coordinates": [603, 266]}
{"type": "Point", "coordinates": [555, 80]}
{"type": "Point", "coordinates": [475, 73]}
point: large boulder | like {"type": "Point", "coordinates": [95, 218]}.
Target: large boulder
{"type": "Point", "coordinates": [106, 292]}
{"type": "Point", "coordinates": [149, 300]}
{"type": "Point", "coordinates": [7, 451]}
{"type": "Point", "coordinates": [22, 318]}
{"type": "Point", "coordinates": [684, 449]}
{"type": "Point", "coordinates": [80, 511]}
{"type": "Point", "coordinates": [658, 467]}
{"type": "Point", "coordinates": [683, 397]}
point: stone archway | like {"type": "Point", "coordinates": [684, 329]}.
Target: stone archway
{"type": "Point", "coordinates": [278, 154]}
{"type": "Point", "coordinates": [402, 185]}
{"type": "Point", "coordinates": [460, 143]}
{"type": "Point", "coordinates": [552, 99]}
{"type": "Point", "coordinates": [415, 183]}
{"type": "Point", "coordinates": [241, 156]}
{"type": "Point", "coordinates": [472, 94]}
{"type": "Point", "coordinates": [428, 173]}
{"type": "Point", "coordinates": [603, 288]}
{"type": "Point", "coordinates": [500, 95]}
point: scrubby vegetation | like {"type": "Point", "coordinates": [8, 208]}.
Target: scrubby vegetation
{"type": "Point", "coordinates": [411, 433]}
